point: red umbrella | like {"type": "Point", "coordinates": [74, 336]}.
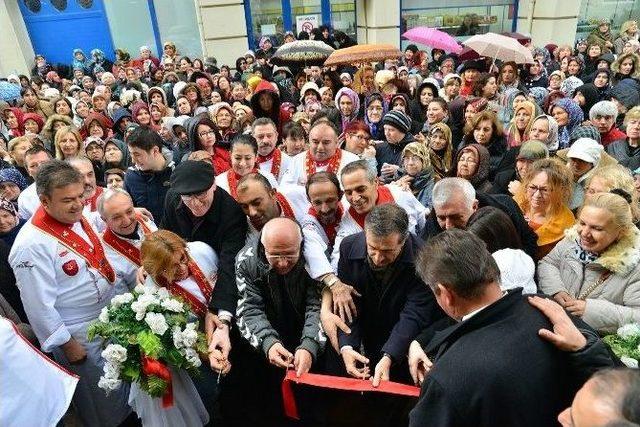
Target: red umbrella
{"type": "Point", "coordinates": [467, 54]}
{"type": "Point", "coordinates": [433, 38]}
{"type": "Point", "coordinates": [522, 39]}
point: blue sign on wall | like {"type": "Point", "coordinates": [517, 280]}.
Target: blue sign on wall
{"type": "Point", "coordinates": [56, 27]}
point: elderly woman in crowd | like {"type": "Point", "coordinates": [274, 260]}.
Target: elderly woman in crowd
{"type": "Point", "coordinates": [472, 164]}
{"type": "Point", "coordinates": [12, 183]}
{"type": "Point", "coordinates": [418, 175]}
{"type": "Point", "coordinates": [223, 116]}
{"type": "Point", "coordinates": [17, 148]}
{"type": "Point", "coordinates": [375, 107]}
{"type": "Point", "coordinates": [627, 150]}
{"type": "Point", "coordinates": [544, 128]}
{"type": "Point", "coordinates": [593, 272]}
{"type": "Point", "coordinates": [348, 104]}
{"type": "Point", "coordinates": [543, 198]}
{"type": "Point", "coordinates": [10, 223]}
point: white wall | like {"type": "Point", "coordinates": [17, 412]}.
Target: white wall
{"type": "Point", "coordinates": [549, 21]}
{"type": "Point", "coordinates": [224, 30]}
{"type": "Point", "coordinates": [16, 52]}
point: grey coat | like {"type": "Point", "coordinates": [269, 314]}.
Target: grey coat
{"type": "Point", "coordinates": [617, 300]}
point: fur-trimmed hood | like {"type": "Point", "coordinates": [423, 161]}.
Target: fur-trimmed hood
{"type": "Point", "coordinates": [622, 256]}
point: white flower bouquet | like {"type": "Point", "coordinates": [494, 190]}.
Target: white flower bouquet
{"type": "Point", "coordinates": [625, 343]}
{"type": "Point", "coordinates": [147, 331]}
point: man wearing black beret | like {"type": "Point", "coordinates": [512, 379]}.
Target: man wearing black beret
{"type": "Point", "coordinates": [197, 210]}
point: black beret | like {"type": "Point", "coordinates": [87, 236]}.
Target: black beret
{"type": "Point", "coordinates": [192, 177]}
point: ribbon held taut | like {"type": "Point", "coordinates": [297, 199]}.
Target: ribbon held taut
{"type": "Point", "coordinates": [338, 383]}
{"type": "Point", "coordinates": [155, 367]}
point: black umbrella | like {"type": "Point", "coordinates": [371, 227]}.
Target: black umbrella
{"type": "Point", "coordinates": [303, 52]}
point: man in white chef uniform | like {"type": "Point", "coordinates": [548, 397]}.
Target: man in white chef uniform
{"type": "Point", "coordinates": [65, 280]}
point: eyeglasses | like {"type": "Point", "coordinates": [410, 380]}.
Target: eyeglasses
{"type": "Point", "coordinates": [190, 197]}
{"type": "Point", "coordinates": [534, 188]}
{"type": "Point", "coordinates": [288, 258]}
{"type": "Point", "coordinates": [467, 160]}
{"type": "Point", "coordinates": [206, 133]}
{"type": "Point", "coordinates": [360, 137]}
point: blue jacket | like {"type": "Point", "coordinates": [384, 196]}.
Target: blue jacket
{"type": "Point", "coordinates": [148, 189]}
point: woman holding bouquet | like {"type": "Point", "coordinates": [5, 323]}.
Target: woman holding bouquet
{"type": "Point", "coordinates": [188, 271]}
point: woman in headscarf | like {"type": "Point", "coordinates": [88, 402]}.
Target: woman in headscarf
{"type": "Point", "coordinates": [223, 116]}
{"type": "Point", "coordinates": [586, 96]}
{"type": "Point", "coordinates": [544, 128]}
{"type": "Point", "coordinates": [472, 164]}
{"type": "Point", "coordinates": [602, 82]}
{"type": "Point", "coordinates": [506, 102]}
{"type": "Point", "coordinates": [535, 75]}
{"type": "Point", "coordinates": [99, 60]}
{"type": "Point", "coordinates": [158, 95]}
{"type": "Point", "coordinates": [80, 113]}
{"type": "Point", "coordinates": [10, 223]}
{"type": "Point", "coordinates": [348, 104]}
{"type": "Point", "coordinates": [569, 115]}
{"type": "Point", "coordinates": [440, 150]}
{"type": "Point", "coordinates": [116, 155]}
{"type": "Point", "coordinates": [416, 174]}
{"type": "Point", "coordinates": [575, 66]}
{"type": "Point", "coordinates": [12, 183]}
{"type": "Point", "coordinates": [81, 62]}
{"type": "Point", "coordinates": [518, 131]}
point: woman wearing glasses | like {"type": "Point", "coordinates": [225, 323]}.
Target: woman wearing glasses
{"type": "Point", "coordinates": [204, 135]}
{"type": "Point", "coordinates": [543, 198]}
{"type": "Point", "coordinates": [357, 140]}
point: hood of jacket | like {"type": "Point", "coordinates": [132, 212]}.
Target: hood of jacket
{"type": "Point", "coordinates": [126, 157]}
{"type": "Point", "coordinates": [118, 115]}
{"type": "Point", "coordinates": [159, 90]}
{"type": "Point", "coordinates": [621, 257]}
{"type": "Point", "coordinates": [191, 126]}
{"type": "Point", "coordinates": [265, 87]}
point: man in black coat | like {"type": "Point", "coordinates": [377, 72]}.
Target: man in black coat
{"type": "Point", "coordinates": [455, 200]}
{"type": "Point", "coordinates": [494, 367]}
{"type": "Point", "coordinates": [197, 210]}
{"type": "Point", "coordinates": [394, 304]}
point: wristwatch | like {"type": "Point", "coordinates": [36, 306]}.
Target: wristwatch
{"type": "Point", "coordinates": [331, 282]}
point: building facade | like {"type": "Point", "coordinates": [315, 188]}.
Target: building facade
{"type": "Point", "coordinates": [225, 29]}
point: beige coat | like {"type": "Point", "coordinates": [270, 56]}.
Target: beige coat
{"type": "Point", "coordinates": [616, 301]}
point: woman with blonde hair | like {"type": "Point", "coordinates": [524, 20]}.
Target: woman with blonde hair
{"type": "Point", "coordinates": [523, 117]}
{"type": "Point", "coordinates": [68, 143]}
{"type": "Point", "coordinates": [628, 31]}
{"type": "Point", "coordinates": [543, 198]}
{"type": "Point", "coordinates": [187, 271]}
{"type": "Point", "coordinates": [625, 66]}
{"type": "Point", "coordinates": [615, 179]}
{"type": "Point", "coordinates": [593, 272]}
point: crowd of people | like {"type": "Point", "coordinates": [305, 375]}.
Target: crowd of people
{"type": "Point", "coordinates": [389, 221]}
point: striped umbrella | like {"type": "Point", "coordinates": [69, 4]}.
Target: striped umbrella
{"type": "Point", "coordinates": [306, 52]}
{"type": "Point", "coordinates": [363, 53]}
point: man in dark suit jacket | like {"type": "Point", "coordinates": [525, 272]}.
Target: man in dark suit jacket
{"type": "Point", "coordinates": [492, 368]}
{"type": "Point", "coordinates": [394, 304]}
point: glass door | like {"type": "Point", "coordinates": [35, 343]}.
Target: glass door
{"type": "Point", "coordinates": [266, 20]}
{"type": "Point", "coordinates": [343, 17]}
{"type": "Point", "coordinates": [303, 13]}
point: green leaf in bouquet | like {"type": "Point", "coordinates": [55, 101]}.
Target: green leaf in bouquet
{"type": "Point", "coordinates": [150, 344]}
{"type": "Point", "coordinates": [174, 358]}
{"type": "Point", "coordinates": [133, 339]}
{"type": "Point", "coordinates": [156, 386]}
{"type": "Point", "coordinates": [130, 372]}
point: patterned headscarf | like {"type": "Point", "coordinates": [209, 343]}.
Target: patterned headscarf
{"type": "Point", "coordinates": [576, 117]}
{"type": "Point", "coordinates": [8, 206]}
{"type": "Point", "coordinates": [355, 99]}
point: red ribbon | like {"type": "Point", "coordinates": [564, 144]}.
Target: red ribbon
{"type": "Point", "coordinates": [338, 383]}
{"type": "Point", "coordinates": [160, 370]}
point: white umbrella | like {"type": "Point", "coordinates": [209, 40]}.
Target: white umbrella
{"type": "Point", "coordinates": [500, 47]}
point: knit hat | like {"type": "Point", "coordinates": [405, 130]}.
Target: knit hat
{"type": "Point", "coordinates": [398, 120]}
{"type": "Point", "coordinates": [517, 269]}
{"type": "Point", "coordinates": [8, 206]}
{"type": "Point", "coordinates": [533, 150]}
{"type": "Point", "coordinates": [586, 149]}
{"type": "Point", "coordinates": [569, 85]}
{"type": "Point", "coordinates": [14, 176]}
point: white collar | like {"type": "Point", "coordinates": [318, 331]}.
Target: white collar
{"type": "Point", "coordinates": [478, 310]}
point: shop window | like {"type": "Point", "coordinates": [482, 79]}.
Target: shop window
{"type": "Point", "coordinates": [343, 17]}
{"type": "Point", "coordinates": [461, 18]}
{"type": "Point", "coordinates": [616, 11]}
{"type": "Point", "coordinates": [267, 20]}
{"type": "Point", "coordinates": [302, 10]}
{"type": "Point", "coordinates": [177, 22]}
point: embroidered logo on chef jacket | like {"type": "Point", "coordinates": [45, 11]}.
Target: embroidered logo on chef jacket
{"type": "Point", "coordinates": [70, 267]}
